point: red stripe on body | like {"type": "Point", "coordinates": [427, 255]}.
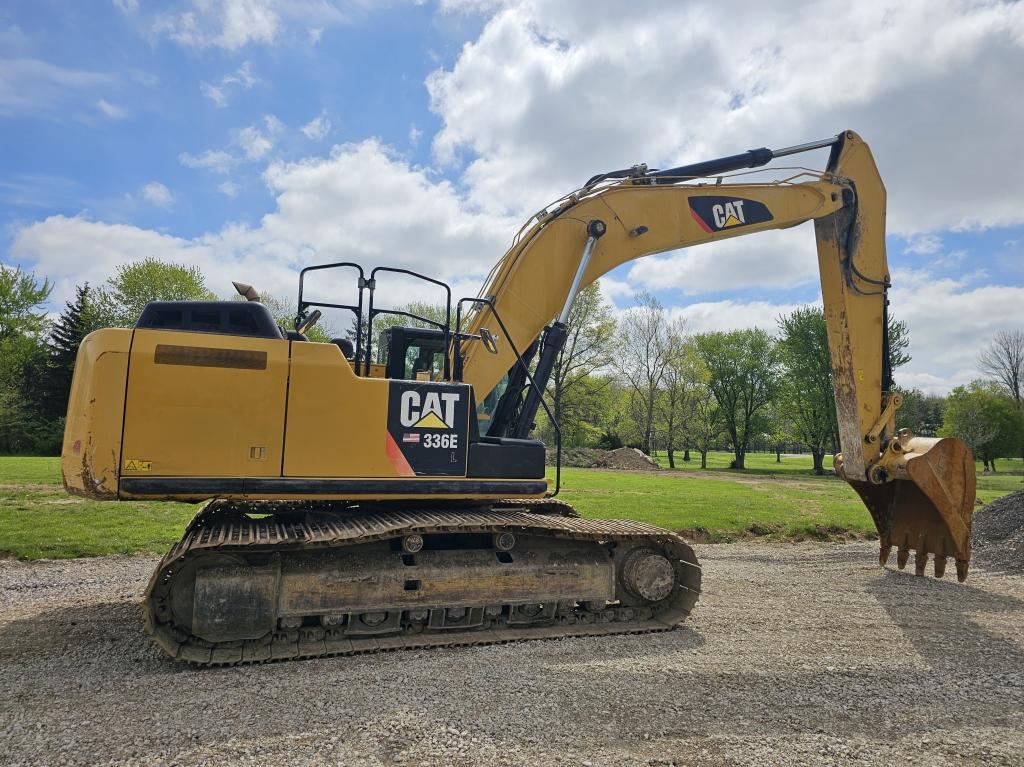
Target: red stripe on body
{"type": "Point", "coordinates": [700, 221]}
{"type": "Point", "coordinates": [397, 458]}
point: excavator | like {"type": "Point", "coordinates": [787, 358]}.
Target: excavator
{"type": "Point", "coordinates": [372, 494]}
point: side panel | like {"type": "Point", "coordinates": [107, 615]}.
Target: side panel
{"type": "Point", "coordinates": [203, 404]}
{"type": "Point", "coordinates": [341, 425]}
{"type": "Point", "coordinates": [428, 423]}
{"type": "Point", "coordinates": [337, 422]}
{"type": "Point", "coordinates": [92, 433]}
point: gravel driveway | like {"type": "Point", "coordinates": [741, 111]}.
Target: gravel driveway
{"type": "Point", "coordinates": [797, 654]}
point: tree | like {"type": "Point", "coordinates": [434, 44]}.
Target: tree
{"type": "Point", "coordinates": [921, 413]}
{"type": "Point", "coordinates": [806, 395]}
{"type": "Point", "coordinates": [53, 371]}
{"type": "Point", "coordinates": [704, 424]}
{"type": "Point", "coordinates": [283, 311]}
{"type": "Point", "coordinates": [381, 322]}
{"type": "Point", "coordinates": [22, 325]}
{"type": "Point", "coordinates": [684, 373]}
{"type": "Point", "coordinates": [744, 379]}
{"type": "Point", "coordinates": [20, 299]}
{"type": "Point", "coordinates": [899, 342]}
{"type": "Point", "coordinates": [1003, 360]}
{"type": "Point", "coordinates": [121, 301]}
{"type": "Point", "coordinates": [986, 419]}
{"type": "Point", "coordinates": [644, 352]}
{"type": "Point", "coordinates": [573, 385]}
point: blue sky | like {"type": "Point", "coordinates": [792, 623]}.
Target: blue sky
{"type": "Point", "coordinates": [252, 137]}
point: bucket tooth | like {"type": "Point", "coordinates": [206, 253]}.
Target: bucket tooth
{"type": "Point", "coordinates": [884, 552]}
{"type": "Point", "coordinates": [902, 556]}
{"type": "Point", "coordinates": [920, 561]}
{"type": "Point", "coordinates": [961, 570]}
{"type": "Point", "coordinates": [940, 565]}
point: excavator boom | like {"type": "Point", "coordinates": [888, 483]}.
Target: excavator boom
{"type": "Point", "coordinates": [920, 492]}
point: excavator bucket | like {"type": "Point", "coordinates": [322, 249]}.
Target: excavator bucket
{"type": "Point", "coordinates": [927, 507]}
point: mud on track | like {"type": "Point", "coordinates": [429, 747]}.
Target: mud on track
{"type": "Point", "coordinates": [796, 654]}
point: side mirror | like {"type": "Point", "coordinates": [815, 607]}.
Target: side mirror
{"type": "Point", "coordinates": [309, 322]}
{"type": "Point", "coordinates": [490, 340]}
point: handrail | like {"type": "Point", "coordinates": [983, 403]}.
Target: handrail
{"type": "Point", "coordinates": [371, 313]}
{"type": "Point", "coordinates": [357, 308]}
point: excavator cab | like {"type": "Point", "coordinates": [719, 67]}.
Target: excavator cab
{"type": "Point", "coordinates": [412, 354]}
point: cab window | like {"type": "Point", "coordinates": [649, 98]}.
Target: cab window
{"type": "Point", "coordinates": [424, 356]}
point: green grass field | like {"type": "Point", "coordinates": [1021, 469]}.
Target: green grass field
{"type": "Point", "coordinates": [38, 519]}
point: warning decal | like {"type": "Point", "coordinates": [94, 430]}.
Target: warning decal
{"type": "Point", "coordinates": [134, 464]}
{"type": "Point", "coordinates": [428, 428]}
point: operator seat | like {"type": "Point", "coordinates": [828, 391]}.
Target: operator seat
{"type": "Point", "coordinates": [348, 349]}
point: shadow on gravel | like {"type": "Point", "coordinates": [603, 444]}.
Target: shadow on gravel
{"type": "Point", "coordinates": [74, 664]}
{"type": "Point", "coordinates": [105, 635]}
{"type": "Point", "coordinates": [96, 633]}
{"type": "Point", "coordinates": [938, 618]}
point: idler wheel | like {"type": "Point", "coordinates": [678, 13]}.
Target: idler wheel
{"type": "Point", "coordinates": [648, 575]}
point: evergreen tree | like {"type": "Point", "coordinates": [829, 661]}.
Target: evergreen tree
{"type": "Point", "coordinates": [52, 384]}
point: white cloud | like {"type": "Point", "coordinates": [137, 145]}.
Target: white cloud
{"type": "Point", "coordinates": [547, 96]}
{"type": "Point", "coordinates": [257, 142]}
{"type": "Point", "coordinates": [241, 79]}
{"type": "Point", "coordinates": [110, 110]}
{"type": "Point", "coordinates": [709, 316]}
{"type": "Point", "coordinates": [274, 125]}
{"type": "Point", "coordinates": [228, 189]}
{"type": "Point", "coordinates": [158, 194]}
{"type": "Point", "coordinates": [230, 24]}
{"type": "Point", "coordinates": [35, 87]}
{"type": "Point", "coordinates": [950, 321]}
{"type": "Point", "coordinates": [216, 160]}
{"type": "Point", "coordinates": [234, 24]}
{"type": "Point", "coordinates": [612, 288]}
{"type": "Point", "coordinates": [127, 6]}
{"type": "Point", "coordinates": [923, 244]}
{"type": "Point", "coordinates": [766, 260]}
{"type": "Point", "coordinates": [414, 134]}
{"type": "Point", "coordinates": [317, 128]}
{"type": "Point", "coordinates": [361, 203]}
{"type": "Point", "coordinates": [254, 143]}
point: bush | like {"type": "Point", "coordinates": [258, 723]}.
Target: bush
{"type": "Point", "coordinates": [610, 440]}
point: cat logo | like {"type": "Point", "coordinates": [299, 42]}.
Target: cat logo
{"type": "Point", "coordinates": [730, 214]}
{"type": "Point", "coordinates": [715, 214]}
{"type": "Point", "coordinates": [433, 410]}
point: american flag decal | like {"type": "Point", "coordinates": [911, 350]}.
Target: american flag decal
{"type": "Point", "coordinates": [410, 437]}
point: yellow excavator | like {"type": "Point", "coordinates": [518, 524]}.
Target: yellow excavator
{"type": "Point", "coordinates": [385, 493]}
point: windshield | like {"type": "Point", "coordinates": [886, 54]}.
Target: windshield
{"type": "Point", "coordinates": [485, 410]}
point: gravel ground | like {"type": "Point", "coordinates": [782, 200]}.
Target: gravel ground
{"type": "Point", "coordinates": [998, 533]}
{"type": "Point", "coordinates": [797, 654]}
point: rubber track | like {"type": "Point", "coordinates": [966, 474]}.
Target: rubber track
{"type": "Point", "coordinates": [228, 533]}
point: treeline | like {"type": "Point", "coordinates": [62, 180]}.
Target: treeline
{"type": "Point", "coordinates": [647, 382]}
{"type": "Point", "coordinates": [37, 353]}
{"type": "Point", "coordinates": [641, 379]}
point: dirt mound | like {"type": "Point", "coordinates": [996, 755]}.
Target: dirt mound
{"type": "Point", "coordinates": [625, 458]}
{"type": "Point", "coordinates": [998, 534]}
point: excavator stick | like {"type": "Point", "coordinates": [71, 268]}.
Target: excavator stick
{"type": "Point", "coordinates": [919, 490]}
{"type": "Point", "coordinates": [926, 508]}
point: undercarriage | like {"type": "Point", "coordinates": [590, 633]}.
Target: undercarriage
{"type": "Point", "coordinates": [254, 582]}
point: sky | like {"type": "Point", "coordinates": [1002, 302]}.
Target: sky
{"type": "Point", "coordinates": [254, 137]}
